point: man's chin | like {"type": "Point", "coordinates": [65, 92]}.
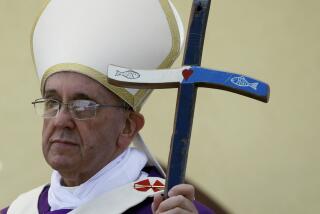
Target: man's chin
{"type": "Point", "coordinates": [61, 163]}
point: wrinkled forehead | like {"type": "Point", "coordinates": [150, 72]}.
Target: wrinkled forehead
{"type": "Point", "coordinates": [73, 85]}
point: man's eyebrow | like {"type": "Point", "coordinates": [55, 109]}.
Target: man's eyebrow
{"type": "Point", "coordinates": [78, 96]}
{"type": "Point", "coordinates": [53, 93]}
{"type": "Point", "coordinates": [50, 93]}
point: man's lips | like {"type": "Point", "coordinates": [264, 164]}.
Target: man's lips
{"type": "Point", "coordinates": [63, 142]}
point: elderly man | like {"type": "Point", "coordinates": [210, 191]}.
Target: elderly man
{"type": "Point", "coordinates": [88, 123]}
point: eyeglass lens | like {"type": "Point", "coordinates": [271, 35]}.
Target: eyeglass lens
{"type": "Point", "coordinates": [79, 109]}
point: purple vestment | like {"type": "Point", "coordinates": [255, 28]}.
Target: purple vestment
{"type": "Point", "coordinates": [142, 208]}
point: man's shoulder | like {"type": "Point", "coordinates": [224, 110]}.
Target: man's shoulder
{"type": "Point", "coordinates": [25, 201]}
{"type": "Point", "coordinates": [32, 192]}
{"type": "Point", "coordinates": [4, 211]}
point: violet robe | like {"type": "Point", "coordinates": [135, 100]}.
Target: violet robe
{"type": "Point", "coordinates": [141, 208]}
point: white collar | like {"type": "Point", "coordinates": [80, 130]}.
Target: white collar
{"type": "Point", "coordinates": [122, 170]}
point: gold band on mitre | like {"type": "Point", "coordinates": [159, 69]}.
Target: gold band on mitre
{"type": "Point", "coordinates": [85, 36]}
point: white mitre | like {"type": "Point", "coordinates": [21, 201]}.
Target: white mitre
{"type": "Point", "coordinates": [85, 36]}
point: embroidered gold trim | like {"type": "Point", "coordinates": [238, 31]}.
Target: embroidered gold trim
{"type": "Point", "coordinates": [175, 34]}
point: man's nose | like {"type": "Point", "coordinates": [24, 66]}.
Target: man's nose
{"type": "Point", "coordinates": [64, 117]}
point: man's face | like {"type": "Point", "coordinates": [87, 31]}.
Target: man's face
{"type": "Point", "coordinates": [81, 147]}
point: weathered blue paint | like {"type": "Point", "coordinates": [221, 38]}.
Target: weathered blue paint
{"type": "Point", "coordinates": [181, 135]}
{"type": "Point", "coordinates": [237, 83]}
{"type": "Point", "coordinates": [187, 93]}
{"type": "Point", "coordinates": [197, 30]}
{"type": "Point", "coordinates": [201, 77]}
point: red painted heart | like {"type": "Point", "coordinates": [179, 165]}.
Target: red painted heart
{"type": "Point", "coordinates": [186, 73]}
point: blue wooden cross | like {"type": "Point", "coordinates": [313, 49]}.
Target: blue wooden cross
{"type": "Point", "coordinates": [187, 79]}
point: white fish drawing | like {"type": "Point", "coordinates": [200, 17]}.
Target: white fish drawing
{"type": "Point", "coordinates": [130, 74]}
{"type": "Point", "coordinates": [243, 82]}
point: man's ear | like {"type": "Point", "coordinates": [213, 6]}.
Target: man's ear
{"type": "Point", "coordinates": [133, 124]}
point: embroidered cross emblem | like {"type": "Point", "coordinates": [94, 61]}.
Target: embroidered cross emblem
{"type": "Point", "coordinates": [145, 185]}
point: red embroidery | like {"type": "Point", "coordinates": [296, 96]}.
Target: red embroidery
{"type": "Point", "coordinates": [145, 185]}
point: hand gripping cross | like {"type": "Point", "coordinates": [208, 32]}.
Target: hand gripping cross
{"type": "Point", "coordinates": [187, 79]}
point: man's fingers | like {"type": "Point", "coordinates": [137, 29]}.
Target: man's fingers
{"type": "Point", "coordinates": [176, 210]}
{"type": "Point", "coordinates": [179, 201]}
{"type": "Point", "coordinates": [186, 190]}
{"type": "Point", "coordinates": [156, 201]}
{"type": "Point", "coordinates": [176, 202]}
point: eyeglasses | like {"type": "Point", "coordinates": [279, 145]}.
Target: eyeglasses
{"type": "Point", "coordinates": [79, 109]}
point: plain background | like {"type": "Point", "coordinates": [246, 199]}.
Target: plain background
{"type": "Point", "coordinates": [249, 156]}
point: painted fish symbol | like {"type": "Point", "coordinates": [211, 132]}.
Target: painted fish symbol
{"type": "Point", "coordinates": [243, 82]}
{"type": "Point", "coordinates": [130, 74]}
